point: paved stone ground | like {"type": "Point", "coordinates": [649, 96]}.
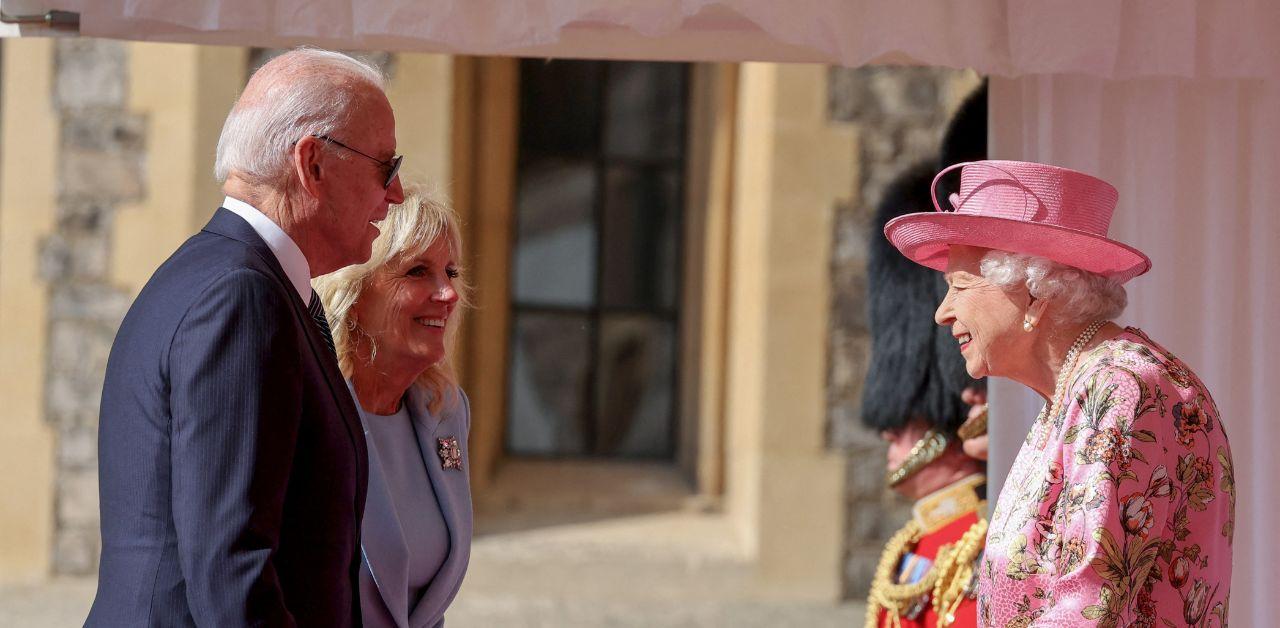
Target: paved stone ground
{"type": "Point", "coordinates": [63, 602]}
{"type": "Point", "coordinates": [671, 569]}
{"type": "Point", "coordinates": [668, 569]}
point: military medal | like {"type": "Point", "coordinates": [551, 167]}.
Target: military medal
{"type": "Point", "coordinates": [450, 454]}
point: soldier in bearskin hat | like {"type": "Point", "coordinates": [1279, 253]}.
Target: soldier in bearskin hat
{"type": "Point", "coordinates": [913, 397]}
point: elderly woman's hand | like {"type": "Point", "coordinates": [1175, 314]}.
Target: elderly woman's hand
{"type": "Point", "coordinates": [975, 447]}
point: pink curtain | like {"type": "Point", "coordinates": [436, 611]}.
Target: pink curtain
{"type": "Point", "coordinates": [1198, 170]}
{"type": "Point", "coordinates": [1133, 38]}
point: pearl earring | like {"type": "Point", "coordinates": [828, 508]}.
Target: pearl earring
{"type": "Point", "coordinates": [1027, 326]}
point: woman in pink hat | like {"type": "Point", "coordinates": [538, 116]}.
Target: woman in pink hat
{"type": "Point", "coordinates": [1120, 506]}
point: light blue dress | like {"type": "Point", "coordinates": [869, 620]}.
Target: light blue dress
{"type": "Point", "coordinates": [416, 532]}
{"type": "Point", "coordinates": [413, 499]}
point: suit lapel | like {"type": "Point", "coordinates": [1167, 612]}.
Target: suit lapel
{"type": "Point", "coordinates": [226, 223]}
{"type": "Point", "coordinates": [453, 493]}
{"type": "Point", "coordinates": [382, 541]}
{"type": "Point", "coordinates": [337, 386]}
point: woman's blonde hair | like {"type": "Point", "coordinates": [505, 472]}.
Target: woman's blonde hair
{"type": "Point", "coordinates": [409, 229]}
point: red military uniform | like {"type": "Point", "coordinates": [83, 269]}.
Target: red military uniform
{"type": "Point", "coordinates": [935, 555]}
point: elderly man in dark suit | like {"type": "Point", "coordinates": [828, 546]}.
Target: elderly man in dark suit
{"type": "Point", "coordinates": [232, 462]}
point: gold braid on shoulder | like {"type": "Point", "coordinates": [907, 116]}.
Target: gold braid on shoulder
{"type": "Point", "coordinates": [925, 451]}
{"type": "Point", "coordinates": [947, 582]}
{"type": "Point", "coordinates": [955, 577]}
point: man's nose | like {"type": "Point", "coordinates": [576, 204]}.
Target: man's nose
{"type": "Point", "coordinates": [395, 191]}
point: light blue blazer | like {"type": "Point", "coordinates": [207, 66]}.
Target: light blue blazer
{"type": "Point", "coordinates": [384, 588]}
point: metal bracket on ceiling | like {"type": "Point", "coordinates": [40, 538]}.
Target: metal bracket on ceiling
{"type": "Point", "coordinates": [55, 19]}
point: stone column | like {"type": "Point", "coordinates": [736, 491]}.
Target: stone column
{"type": "Point", "coordinates": [100, 166]}
{"type": "Point", "coordinates": [785, 485]}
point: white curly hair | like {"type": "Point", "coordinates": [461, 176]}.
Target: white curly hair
{"type": "Point", "coordinates": [1075, 296]}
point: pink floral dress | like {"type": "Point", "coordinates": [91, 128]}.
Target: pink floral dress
{"type": "Point", "coordinates": [1120, 506]}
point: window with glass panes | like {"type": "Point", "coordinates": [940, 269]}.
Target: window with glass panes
{"type": "Point", "coordinates": [596, 265]}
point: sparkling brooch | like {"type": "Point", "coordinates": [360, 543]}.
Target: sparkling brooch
{"type": "Point", "coordinates": [450, 454]}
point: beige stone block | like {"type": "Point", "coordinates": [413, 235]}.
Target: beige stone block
{"type": "Point", "coordinates": [867, 470]}
{"type": "Point", "coordinates": [78, 499]}
{"type": "Point", "coordinates": [90, 73]}
{"type": "Point", "coordinates": [78, 449]}
{"type": "Point", "coordinates": [92, 302]}
{"type": "Point", "coordinates": [76, 552]}
{"type": "Point", "coordinates": [103, 175]}
{"type": "Point", "coordinates": [860, 570]}
{"type": "Point", "coordinates": [74, 256]}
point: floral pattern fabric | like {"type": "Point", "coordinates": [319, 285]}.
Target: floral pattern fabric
{"type": "Point", "coordinates": [1119, 509]}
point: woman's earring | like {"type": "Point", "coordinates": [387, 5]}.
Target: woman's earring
{"type": "Point", "coordinates": [1027, 326]}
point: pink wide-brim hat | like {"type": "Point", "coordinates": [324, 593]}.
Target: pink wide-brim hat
{"type": "Point", "coordinates": [1022, 207]}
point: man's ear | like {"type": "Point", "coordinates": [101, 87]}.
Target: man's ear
{"type": "Point", "coordinates": [309, 164]}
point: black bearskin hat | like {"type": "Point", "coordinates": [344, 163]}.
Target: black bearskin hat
{"type": "Point", "coordinates": [916, 370]}
{"type": "Point", "coordinates": [965, 140]}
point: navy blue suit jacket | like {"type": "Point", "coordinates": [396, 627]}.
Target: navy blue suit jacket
{"type": "Point", "coordinates": [232, 462]}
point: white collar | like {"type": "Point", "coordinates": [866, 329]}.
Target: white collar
{"type": "Point", "coordinates": [285, 249]}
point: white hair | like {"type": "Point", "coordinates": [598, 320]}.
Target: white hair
{"type": "Point", "coordinates": [1076, 296]}
{"type": "Point", "coordinates": [314, 94]}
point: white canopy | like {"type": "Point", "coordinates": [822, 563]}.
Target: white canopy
{"type": "Point", "coordinates": [1104, 38]}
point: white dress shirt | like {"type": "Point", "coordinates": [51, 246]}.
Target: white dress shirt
{"type": "Point", "coordinates": [285, 249]}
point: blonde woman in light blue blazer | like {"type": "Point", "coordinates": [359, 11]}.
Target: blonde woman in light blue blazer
{"type": "Point", "coordinates": [394, 320]}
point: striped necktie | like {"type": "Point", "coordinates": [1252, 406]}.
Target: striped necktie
{"type": "Point", "coordinates": [317, 314]}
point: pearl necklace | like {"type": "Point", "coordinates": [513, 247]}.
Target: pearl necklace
{"type": "Point", "coordinates": [1069, 365]}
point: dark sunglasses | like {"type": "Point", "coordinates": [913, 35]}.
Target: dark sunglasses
{"type": "Point", "coordinates": [393, 163]}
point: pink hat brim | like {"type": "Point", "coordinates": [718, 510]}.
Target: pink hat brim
{"type": "Point", "coordinates": [926, 238]}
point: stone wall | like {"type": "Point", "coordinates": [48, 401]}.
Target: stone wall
{"type": "Point", "coordinates": [900, 114]}
{"type": "Point", "coordinates": [101, 165]}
